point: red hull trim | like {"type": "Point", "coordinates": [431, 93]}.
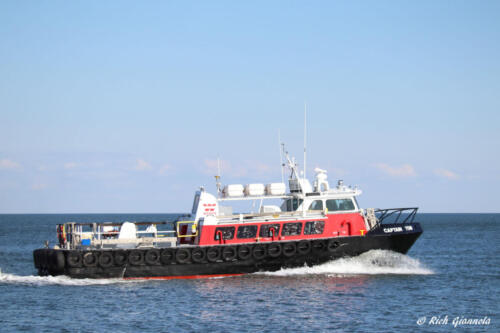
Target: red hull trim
{"type": "Point", "coordinates": [181, 277]}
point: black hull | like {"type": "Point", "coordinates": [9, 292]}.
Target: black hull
{"type": "Point", "coordinates": [182, 262]}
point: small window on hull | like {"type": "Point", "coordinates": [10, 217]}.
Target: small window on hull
{"type": "Point", "coordinates": [291, 229]}
{"type": "Point", "coordinates": [247, 231]}
{"type": "Point", "coordinates": [227, 233]}
{"type": "Point", "coordinates": [265, 230]}
{"type": "Point", "coordinates": [334, 205]}
{"type": "Point", "coordinates": [314, 228]}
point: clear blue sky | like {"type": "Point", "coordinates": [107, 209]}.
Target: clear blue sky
{"type": "Point", "coordinates": [116, 106]}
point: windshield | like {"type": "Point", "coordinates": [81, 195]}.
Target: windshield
{"type": "Point", "coordinates": [291, 205]}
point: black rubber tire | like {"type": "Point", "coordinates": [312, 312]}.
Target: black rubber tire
{"type": "Point", "coordinates": [274, 250]}
{"type": "Point", "coordinates": [318, 245]}
{"type": "Point", "coordinates": [106, 259]}
{"type": "Point", "coordinates": [244, 252]}
{"type": "Point", "coordinates": [198, 255]}
{"type": "Point", "coordinates": [332, 245]}
{"type": "Point", "coordinates": [182, 256]}
{"type": "Point", "coordinates": [74, 259]}
{"type": "Point", "coordinates": [152, 257]}
{"type": "Point", "coordinates": [229, 253]}
{"type": "Point", "coordinates": [289, 249]}
{"type": "Point", "coordinates": [120, 258]}
{"type": "Point", "coordinates": [136, 257]}
{"type": "Point", "coordinates": [259, 252]}
{"type": "Point", "coordinates": [89, 259]}
{"type": "Point", "coordinates": [213, 254]}
{"type": "Point", "coordinates": [57, 261]}
{"type": "Point", "coordinates": [303, 247]}
{"type": "Point", "coordinates": [167, 256]}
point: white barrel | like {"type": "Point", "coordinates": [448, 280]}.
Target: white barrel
{"type": "Point", "coordinates": [276, 189]}
{"type": "Point", "coordinates": [234, 190]}
{"type": "Point", "coordinates": [254, 189]}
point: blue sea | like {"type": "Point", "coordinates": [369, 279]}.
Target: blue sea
{"type": "Point", "coordinates": [449, 281]}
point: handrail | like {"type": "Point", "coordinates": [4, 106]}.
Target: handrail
{"type": "Point", "coordinates": [116, 224]}
{"type": "Point", "coordinates": [70, 234]}
{"type": "Point", "coordinates": [105, 233]}
{"type": "Point", "coordinates": [384, 214]}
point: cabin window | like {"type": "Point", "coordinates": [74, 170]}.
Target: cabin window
{"type": "Point", "coordinates": [316, 205]}
{"type": "Point", "coordinates": [334, 205]}
{"type": "Point", "coordinates": [265, 230]}
{"type": "Point", "coordinates": [227, 233]}
{"type": "Point", "coordinates": [291, 229]}
{"type": "Point", "coordinates": [195, 203]}
{"type": "Point", "coordinates": [291, 205]}
{"type": "Point", "coordinates": [247, 231]}
{"type": "Point", "coordinates": [314, 227]}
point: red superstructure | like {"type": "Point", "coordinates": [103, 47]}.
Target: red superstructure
{"type": "Point", "coordinates": [306, 212]}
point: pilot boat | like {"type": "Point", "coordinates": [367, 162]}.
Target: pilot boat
{"type": "Point", "coordinates": [311, 225]}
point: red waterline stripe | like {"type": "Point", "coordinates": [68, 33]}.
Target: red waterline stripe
{"type": "Point", "coordinates": [180, 277]}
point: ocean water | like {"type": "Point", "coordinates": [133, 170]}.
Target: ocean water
{"type": "Point", "coordinates": [450, 277]}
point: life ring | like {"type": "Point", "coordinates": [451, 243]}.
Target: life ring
{"type": "Point", "coordinates": [332, 245]}
{"type": "Point", "coordinates": [74, 259]}
{"type": "Point", "coordinates": [289, 249]}
{"type": "Point", "coordinates": [244, 252]}
{"type": "Point", "coordinates": [105, 260]}
{"type": "Point", "coordinates": [198, 255]}
{"type": "Point", "coordinates": [89, 259]}
{"type": "Point", "coordinates": [318, 245]}
{"type": "Point", "coordinates": [259, 252]}
{"type": "Point", "coordinates": [229, 253]}
{"type": "Point", "coordinates": [152, 257]}
{"type": "Point", "coordinates": [303, 247]}
{"type": "Point", "coordinates": [213, 254]}
{"type": "Point", "coordinates": [167, 256]}
{"type": "Point", "coordinates": [274, 250]}
{"type": "Point", "coordinates": [183, 256]}
{"type": "Point", "coordinates": [136, 257]}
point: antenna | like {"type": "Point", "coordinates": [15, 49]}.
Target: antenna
{"type": "Point", "coordinates": [217, 177]}
{"type": "Point", "coordinates": [305, 137]}
{"type": "Point", "coordinates": [282, 165]}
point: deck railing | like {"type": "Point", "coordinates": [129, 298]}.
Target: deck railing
{"type": "Point", "coordinates": [74, 235]}
{"type": "Point", "coordinates": [396, 215]}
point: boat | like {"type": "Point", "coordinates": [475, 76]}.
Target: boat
{"type": "Point", "coordinates": [311, 224]}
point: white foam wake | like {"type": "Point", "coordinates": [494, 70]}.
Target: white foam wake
{"type": "Point", "coordinates": [369, 263]}
{"type": "Point", "coordinates": [55, 280]}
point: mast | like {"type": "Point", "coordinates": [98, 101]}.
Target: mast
{"type": "Point", "coordinates": [305, 137]}
{"type": "Point", "coordinates": [217, 178]}
{"type": "Point", "coordinates": [305, 160]}
{"type": "Point", "coordinates": [282, 165]}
